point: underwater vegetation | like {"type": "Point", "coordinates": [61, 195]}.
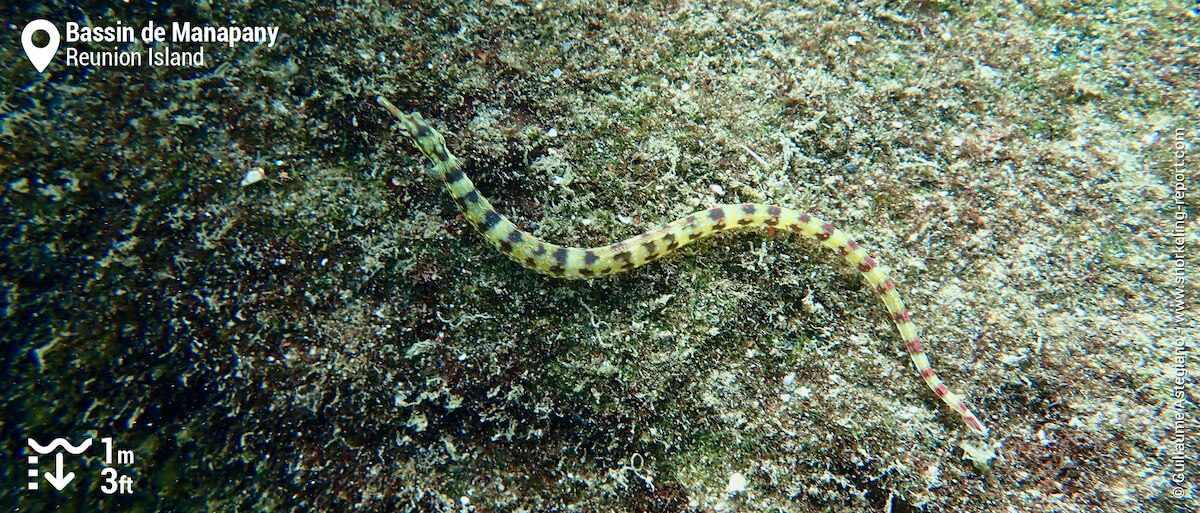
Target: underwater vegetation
{"type": "Point", "coordinates": [241, 273]}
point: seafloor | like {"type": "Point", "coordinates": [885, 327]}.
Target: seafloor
{"type": "Point", "coordinates": [336, 337]}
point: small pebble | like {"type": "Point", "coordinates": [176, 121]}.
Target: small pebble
{"type": "Point", "coordinates": [253, 176]}
{"type": "Point", "coordinates": [737, 483]}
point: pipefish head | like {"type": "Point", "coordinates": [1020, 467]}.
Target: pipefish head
{"type": "Point", "coordinates": [426, 138]}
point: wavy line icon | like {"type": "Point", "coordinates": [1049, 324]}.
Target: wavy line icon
{"type": "Point", "coordinates": [53, 445]}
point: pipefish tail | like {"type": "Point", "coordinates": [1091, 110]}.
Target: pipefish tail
{"type": "Point", "coordinates": [585, 263]}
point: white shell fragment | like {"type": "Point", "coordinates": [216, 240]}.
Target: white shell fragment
{"type": "Point", "coordinates": [737, 483]}
{"type": "Point", "coordinates": [254, 175]}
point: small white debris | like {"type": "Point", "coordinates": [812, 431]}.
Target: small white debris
{"type": "Point", "coordinates": [1013, 359]}
{"type": "Point", "coordinates": [785, 398]}
{"type": "Point", "coordinates": [737, 483]}
{"type": "Point", "coordinates": [464, 500]}
{"type": "Point", "coordinates": [933, 474]}
{"type": "Point", "coordinates": [556, 73]}
{"type": "Point", "coordinates": [758, 158]}
{"type": "Point", "coordinates": [717, 189]}
{"type": "Point", "coordinates": [854, 40]}
{"type": "Point", "coordinates": [987, 72]}
{"type": "Point", "coordinates": [979, 454]}
{"type": "Point", "coordinates": [803, 392]}
{"type": "Point", "coordinates": [253, 176]}
{"type": "Point", "coordinates": [625, 219]}
{"type": "Point", "coordinates": [787, 380]}
{"type": "Point", "coordinates": [565, 179]}
{"type": "Point", "coordinates": [552, 133]}
{"type": "Point", "coordinates": [418, 422]}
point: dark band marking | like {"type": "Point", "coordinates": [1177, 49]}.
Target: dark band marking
{"type": "Point", "coordinates": [914, 346]}
{"type": "Point", "coordinates": [515, 236]}
{"type": "Point", "coordinates": [454, 175]}
{"type": "Point", "coordinates": [826, 231]}
{"type": "Point", "coordinates": [866, 266]}
{"type": "Point", "coordinates": [560, 257]}
{"type": "Point", "coordinates": [651, 250]}
{"type": "Point", "coordinates": [540, 249]}
{"type": "Point", "coordinates": [716, 214]}
{"type": "Point", "coordinates": [669, 240]}
{"type": "Point", "coordinates": [590, 258]}
{"type": "Point", "coordinates": [803, 218]}
{"type": "Point", "coordinates": [490, 220]}
{"type": "Point", "coordinates": [471, 197]}
{"type": "Point", "coordinates": [774, 211]}
{"type": "Point", "coordinates": [748, 209]}
{"type": "Point", "coordinates": [625, 256]}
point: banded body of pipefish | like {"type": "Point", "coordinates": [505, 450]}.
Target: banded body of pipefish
{"type": "Point", "coordinates": [582, 263]}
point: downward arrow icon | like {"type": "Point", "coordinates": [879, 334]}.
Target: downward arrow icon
{"type": "Point", "coordinates": [57, 479]}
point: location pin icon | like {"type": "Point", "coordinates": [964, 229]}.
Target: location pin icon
{"type": "Point", "coordinates": [40, 57]}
